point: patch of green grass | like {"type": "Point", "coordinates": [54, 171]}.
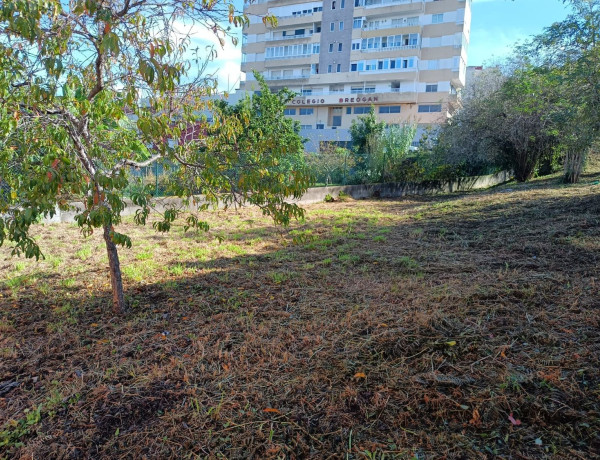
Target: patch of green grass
{"type": "Point", "coordinates": [416, 232]}
{"type": "Point", "coordinates": [44, 288]}
{"type": "Point", "coordinates": [84, 252]}
{"type": "Point", "coordinates": [20, 266]}
{"type": "Point", "coordinates": [138, 272]}
{"type": "Point", "coordinates": [144, 255]}
{"type": "Point", "coordinates": [283, 255]}
{"type": "Point", "coordinates": [176, 270]}
{"type": "Point", "coordinates": [349, 258]}
{"type": "Point", "coordinates": [302, 236]}
{"type": "Point", "coordinates": [379, 239]}
{"type": "Point", "coordinates": [201, 254]}
{"type": "Point", "coordinates": [234, 248]}
{"type": "Point", "coordinates": [406, 263]}
{"type": "Point", "coordinates": [281, 276]}
{"type": "Point", "coordinates": [68, 282]}
{"type": "Point", "coordinates": [54, 261]}
{"type": "Point", "coordinates": [16, 282]}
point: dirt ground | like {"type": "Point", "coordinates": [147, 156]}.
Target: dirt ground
{"type": "Point", "coordinates": [463, 326]}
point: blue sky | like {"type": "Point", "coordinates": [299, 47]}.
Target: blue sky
{"type": "Point", "coordinates": [495, 27]}
{"type": "Point", "coordinates": [498, 24]}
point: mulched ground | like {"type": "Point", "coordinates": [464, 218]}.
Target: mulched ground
{"type": "Point", "coordinates": [457, 327]}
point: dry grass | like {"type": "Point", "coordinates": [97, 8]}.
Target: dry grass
{"type": "Point", "coordinates": [410, 328]}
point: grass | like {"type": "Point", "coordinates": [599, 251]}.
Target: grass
{"type": "Point", "coordinates": [411, 328]}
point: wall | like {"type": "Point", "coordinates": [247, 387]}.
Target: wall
{"type": "Point", "coordinates": [318, 194]}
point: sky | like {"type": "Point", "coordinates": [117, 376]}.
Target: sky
{"type": "Point", "coordinates": [498, 24]}
{"type": "Point", "coordinates": [495, 27]}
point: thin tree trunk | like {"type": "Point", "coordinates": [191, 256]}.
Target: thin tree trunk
{"type": "Point", "coordinates": [116, 280]}
{"type": "Point", "coordinates": [574, 161]}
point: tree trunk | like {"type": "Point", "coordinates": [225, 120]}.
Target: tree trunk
{"type": "Point", "coordinates": [116, 280]}
{"type": "Point", "coordinates": [574, 161]}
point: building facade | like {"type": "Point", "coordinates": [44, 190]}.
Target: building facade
{"type": "Point", "coordinates": [408, 58]}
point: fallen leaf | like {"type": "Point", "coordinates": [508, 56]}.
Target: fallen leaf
{"type": "Point", "coordinates": [271, 409]}
{"type": "Point", "coordinates": [514, 421]}
{"type": "Point", "coordinates": [94, 325]}
{"type": "Point", "coordinates": [451, 343]}
{"type": "Point", "coordinates": [360, 375]}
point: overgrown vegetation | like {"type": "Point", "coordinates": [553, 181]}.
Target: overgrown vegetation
{"type": "Point", "coordinates": [461, 326]}
{"type": "Point", "coordinates": [89, 89]}
{"type": "Point", "coordinates": [539, 110]}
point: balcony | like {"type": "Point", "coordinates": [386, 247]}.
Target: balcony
{"type": "Point", "coordinates": [392, 26]}
{"type": "Point", "coordinates": [295, 56]}
{"type": "Point", "coordinates": [390, 48]}
{"type": "Point", "coordinates": [287, 77]}
{"type": "Point", "coordinates": [291, 37]}
{"type": "Point", "coordinates": [418, 4]}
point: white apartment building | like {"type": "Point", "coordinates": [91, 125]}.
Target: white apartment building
{"type": "Point", "coordinates": [408, 58]}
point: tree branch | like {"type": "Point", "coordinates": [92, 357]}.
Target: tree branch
{"type": "Point", "coordinates": [138, 164]}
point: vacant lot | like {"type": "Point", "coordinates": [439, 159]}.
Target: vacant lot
{"type": "Point", "coordinates": [463, 326]}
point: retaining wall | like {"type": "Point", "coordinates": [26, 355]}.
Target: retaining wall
{"type": "Point", "coordinates": [318, 194]}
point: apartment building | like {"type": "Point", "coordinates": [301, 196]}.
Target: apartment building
{"type": "Point", "coordinates": [408, 58]}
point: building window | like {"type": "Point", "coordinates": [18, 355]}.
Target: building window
{"type": "Point", "coordinates": [348, 110]}
{"type": "Point", "coordinates": [361, 110]}
{"type": "Point", "coordinates": [307, 111]}
{"type": "Point", "coordinates": [305, 126]}
{"type": "Point", "coordinates": [316, 48]}
{"type": "Point", "coordinates": [389, 109]}
{"type": "Point", "coordinates": [320, 126]}
{"type": "Point", "coordinates": [362, 89]}
{"type": "Point", "coordinates": [436, 18]}
{"type": "Point", "coordinates": [343, 4]}
{"type": "Point", "coordinates": [329, 68]}
{"type": "Point", "coordinates": [331, 47]}
{"type": "Point", "coordinates": [307, 92]}
{"type": "Point", "coordinates": [332, 26]}
{"type": "Point", "coordinates": [333, 5]}
{"type": "Point", "coordinates": [355, 46]}
{"type": "Point", "coordinates": [431, 88]}
{"type": "Point", "coordinates": [289, 111]}
{"type": "Point", "coordinates": [339, 47]}
{"type": "Point", "coordinates": [353, 67]}
{"type": "Point", "coordinates": [430, 108]}
{"type": "Point", "coordinates": [357, 23]}
{"type": "Point", "coordinates": [342, 24]}
{"type": "Point", "coordinates": [339, 68]}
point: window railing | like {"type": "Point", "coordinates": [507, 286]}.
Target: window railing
{"type": "Point", "coordinates": [389, 48]}
{"type": "Point", "coordinates": [290, 37]}
{"type": "Point", "coordinates": [295, 56]}
{"type": "Point", "coordinates": [392, 26]}
{"type": "Point", "coordinates": [286, 77]}
{"type": "Point", "coordinates": [376, 3]}
{"type": "Point", "coordinates": [326, 92]}
{"type": "Point", "coordinates": [299, 15]}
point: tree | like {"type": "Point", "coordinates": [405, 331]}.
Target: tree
{"type": "Point", "coordinates": [388, 150]}
{"type": "Point", "coordinates": [365, 133]}
{"type": "Point", "coordinates": [508, 118]}
{"type": "Point", "coordinates": [331, 164]}
{"type": "Point", "coordinates": [570, 49]}
{"type": "Point", "coordinates": [91, 88]}
{"type": "Point", "coordinates": [364, 129]}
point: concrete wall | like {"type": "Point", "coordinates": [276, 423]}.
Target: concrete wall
{"type": "Point", "coordinates": [318, 194]}
{"type": "Point", "coordinates": [396, 190]}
